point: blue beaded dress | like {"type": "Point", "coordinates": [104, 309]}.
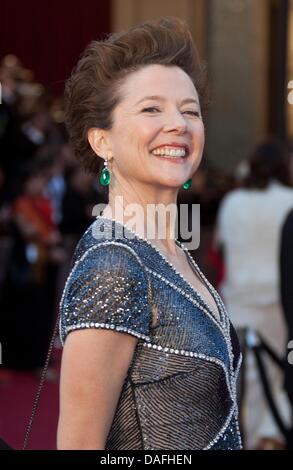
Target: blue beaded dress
{"type": "Point", "coordinates": [180, 388]}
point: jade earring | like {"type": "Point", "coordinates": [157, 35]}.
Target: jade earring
{"type": "Point", "coordinates": [187, 184]}
{"type": "Point", "coordinates": [105, 174]}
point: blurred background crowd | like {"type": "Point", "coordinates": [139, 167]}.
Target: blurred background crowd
{"type": "Point", "coordinates": [244, 188]}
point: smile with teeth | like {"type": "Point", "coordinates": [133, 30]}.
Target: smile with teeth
{"type": "Point", "coordinates": [170, 152]}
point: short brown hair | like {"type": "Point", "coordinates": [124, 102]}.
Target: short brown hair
{"type": "Point", "coordinates": [92, 91]}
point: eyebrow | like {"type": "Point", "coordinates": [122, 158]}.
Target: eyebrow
{"type": "Point", "coordinates": [161, 98]}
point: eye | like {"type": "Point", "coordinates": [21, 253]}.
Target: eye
{"type": "Point", "coordinates": [149, 110]}
{"type": "Point", "coordinates": [193, 113]}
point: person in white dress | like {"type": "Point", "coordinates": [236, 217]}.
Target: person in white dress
{"type": "Point", "coordinates": [248, 230]}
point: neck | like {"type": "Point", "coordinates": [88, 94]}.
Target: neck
{"type": "Point", "coordinates": [154, 221]}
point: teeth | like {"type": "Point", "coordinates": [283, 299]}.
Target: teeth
{"type": "Point", "coordinates": [172, 152]}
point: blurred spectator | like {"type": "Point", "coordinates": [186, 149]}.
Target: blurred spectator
{"type": "Point", "coordinates": [25, 121]}
{"type": "Point", "coordinates": [4, 230]}
{"type": "Point", "coordinates": [64, 162]}
{"type": "Point", "coordinates": [41, 188]}
{"type": "Point", "coordinates": [79, 200]}
{"type": "Point", "coordinates": [9, 69]}
{"type": "Point", "coordinates": [28, 294]}
{"type": "Point", "coordinates": [2, 180]}
{"type": "Point", "coordinates": [249, 226]}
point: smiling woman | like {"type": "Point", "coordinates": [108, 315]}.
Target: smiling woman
{"type": "Point", "coordinates": [150, 358]}
{"type": "Point", "coordinates": [94, 89]}
{"type": "Point", "coordinates": [145, 116]}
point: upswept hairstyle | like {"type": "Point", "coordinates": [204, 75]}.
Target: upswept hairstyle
{"type": "Point", "coordinates": [92, 91]}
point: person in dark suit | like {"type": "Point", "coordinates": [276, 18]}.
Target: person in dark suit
{"type": "Point", "coordinates": [286, 276]}
{"type": "Point", "coordinates": [287, 291]}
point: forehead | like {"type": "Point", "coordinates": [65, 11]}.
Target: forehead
{"type": "Point", "coordinates": [170, 82]}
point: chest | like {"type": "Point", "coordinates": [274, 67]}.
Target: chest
{"type": "Point", "coordinates": [189, 274]}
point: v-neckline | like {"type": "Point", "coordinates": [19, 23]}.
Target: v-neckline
{"type": "Point", "coordinates": [197, 272]}
{"type": "Point", "coordinates": [220, 318]}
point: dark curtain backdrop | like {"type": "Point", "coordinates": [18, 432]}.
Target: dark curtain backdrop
{"type": "Point", "coordinates": [49, 36]}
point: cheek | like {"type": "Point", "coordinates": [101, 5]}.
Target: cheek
{"type": "Point", "coordinates": [199, 134]}
{"type": "Point", "coordinates": [142, 134]}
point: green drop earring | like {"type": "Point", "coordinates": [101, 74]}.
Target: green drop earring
{"type": "Point", "coordinates": [187, 184]}
{"type": "Point", "coordinates": [105, 174]}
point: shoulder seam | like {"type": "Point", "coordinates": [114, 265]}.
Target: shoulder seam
{"type": "Point", "coordinates": [108, 243]}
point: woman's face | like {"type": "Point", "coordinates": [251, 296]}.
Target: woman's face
{"type": "Point", "coordinates": [159, 114]}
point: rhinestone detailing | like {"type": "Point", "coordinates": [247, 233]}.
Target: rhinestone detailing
{"type": "Point", "coordinates": [107, 326]}
{"type": "Point", "coordinates": [221, 433]}
{"type": "Point", "coordinates": [222, 308]}
{"type": "Point", "coordinates": [238, 367]}
{"type": "Point", "coordinates": [234, 410]}
{"type": "Point", "coordinates": [185, 294]}
{"type": "Point", "coordinates": [182, 352]}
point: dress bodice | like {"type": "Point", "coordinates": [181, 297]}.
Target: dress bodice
{"type": "Point", "coordinates": [180, 389]}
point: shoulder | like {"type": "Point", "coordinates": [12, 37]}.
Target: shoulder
{"type": "Point", "coordinates": [100, 234]}
{"type": "Point", "coordinates": [108, 285]}
{"type": "Point", "coordinates": [106, 260]}
{"type": "Point", "coordinates": [281, 198]}
{"type": "Point", "coordinates": [280, 189]}
{"type": "Point", "coordinates": [234, 196]}
{"type": "Point", "coordinates": [103, 247]}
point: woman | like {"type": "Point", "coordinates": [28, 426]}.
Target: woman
{"type": "Point", "coordinates": [249, 229]}
{"type": "Point", "coordinates": [164, 377]}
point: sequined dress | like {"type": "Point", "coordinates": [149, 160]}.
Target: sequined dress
{"type": "Point", "coordinates": [180, 388]}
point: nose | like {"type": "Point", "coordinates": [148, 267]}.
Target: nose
{"type": "Point", "coordinates": [175, 122]}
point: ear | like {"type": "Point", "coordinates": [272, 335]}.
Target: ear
{"type": "Point", "coordinates": [99, 141]}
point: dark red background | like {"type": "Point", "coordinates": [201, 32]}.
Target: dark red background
{"type": "Point", "coordinates": [48, 37]}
